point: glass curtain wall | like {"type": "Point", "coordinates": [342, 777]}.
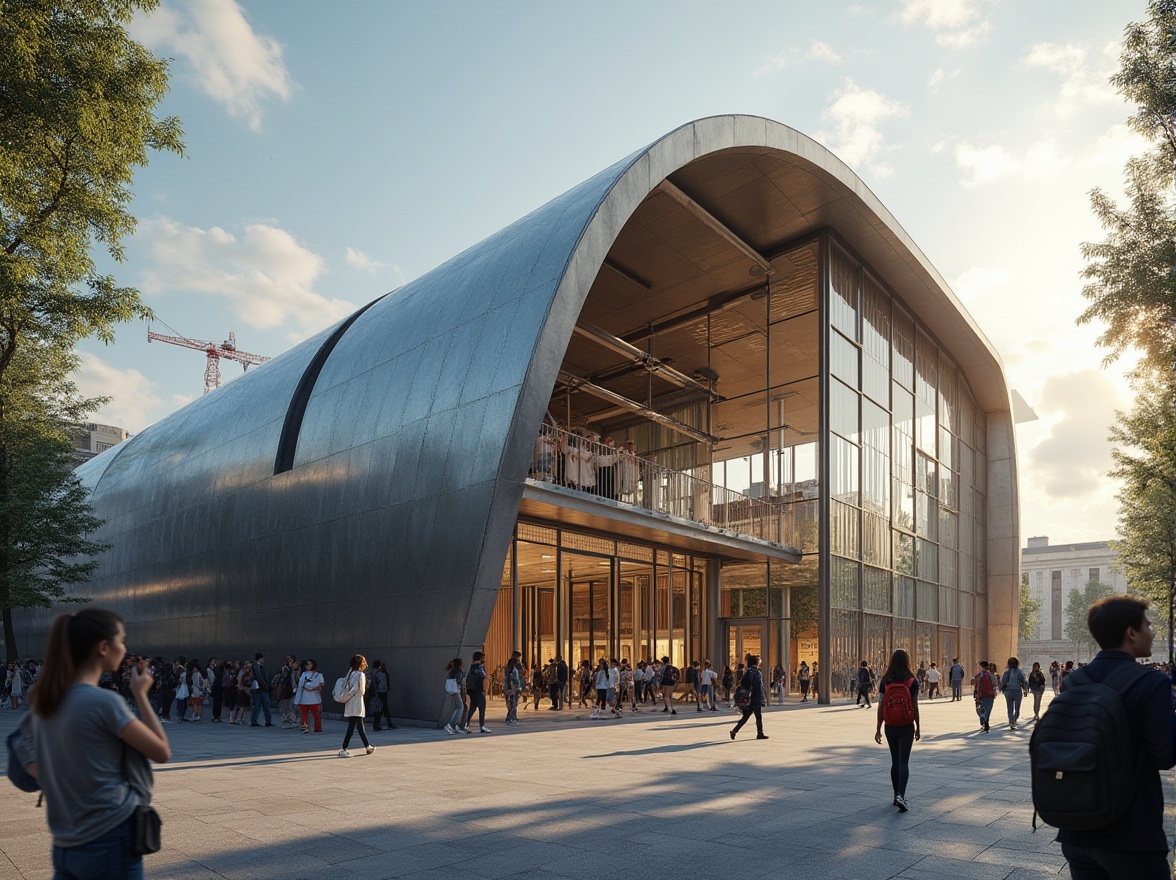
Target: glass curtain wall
{"type": "Point", "coordinates": [773, 606]}
{"type": "Point", "coordinates": [583, 597]}
{"type": "Point", "coordinates": [906, 485]}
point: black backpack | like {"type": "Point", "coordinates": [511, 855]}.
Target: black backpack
{"type": "Point", "coordinates": [1081, 754]}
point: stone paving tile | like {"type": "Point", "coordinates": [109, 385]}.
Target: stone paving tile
{"type": "Point", "coordinates": [560, 797]}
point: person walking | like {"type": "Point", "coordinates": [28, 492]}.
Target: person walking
{"type": "Point", "coordinates": [898, 715]}
{"type": "Point", "coordinates": [753, 682]}
{"type": "Point", "coordinates": [863, 684]}
{"type": "Point", "coordinates": [475, 685]}
{"type": "Point", "coordinates": [1055, 676]}
{"type": "Point", "coordinates": [512, 686]}
{"type": "Point", "coordinates": [195, 682]}
{"type": "Point", "coordinates": [308, 696]}
{"type": "Point", "coordinates": [933, 676]}
{"type": "Point", "coordinates": [708, 677]}
{"type": "Point", "coordinates": [985, 684]}
{"type": "Point", "coordinates": [1134, 845]}
{"type": "Point", "coordinates": [91, 751]}
{"type": "Point", "coordinates": [1037, 688]}
{"type": "Point", "coordinates": [355, 685]}
{"type": "Point", "coordinates": [805, 677]}
{"type": "Point", "coordinates": [1013, 685]}
{"type": "Point", "coordinates": [455, 690]}
{"type": "Point", "coordinates": [668, 683]}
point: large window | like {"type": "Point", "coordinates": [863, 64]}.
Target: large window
{"type": "Point", "coordinates": [906, 459]}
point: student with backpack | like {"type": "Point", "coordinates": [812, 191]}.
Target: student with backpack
{"type": "Point", "coordinates": [349, 690]}
{"type": "Point", "coordinates": [984, 683]}
{"type": "Point", "coordinates": [1013, 685]}
{"type": "Point", "coordinates": [1096, 755]}
{"type": "Point", "coordinates": [898, 714]}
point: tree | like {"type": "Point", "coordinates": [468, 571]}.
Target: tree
{"type": "Point", "coordinates": [1077, 605]}
{"type": "Point", "coordinates": [1030, 608]}
{"type": "Point", "coordinates": [1130, 279]}
{"type": "Point", "coordinates": [1131, 286]}
{"type": "Point", "coordinates": [45, 516]}
{"type": "Point", "coordinates": [1145, 462]}
{"type": "Point", "coordinates": [77, 117]}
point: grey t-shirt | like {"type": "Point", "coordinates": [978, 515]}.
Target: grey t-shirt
{"type": "Point", "coordinates": [80, 765]}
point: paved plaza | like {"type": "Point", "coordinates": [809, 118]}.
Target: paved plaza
{"type": "Point", "coordinates": [563, 796]}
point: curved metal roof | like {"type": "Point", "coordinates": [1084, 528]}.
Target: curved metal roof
{"type": "Point", "coordinates": [390, 528]}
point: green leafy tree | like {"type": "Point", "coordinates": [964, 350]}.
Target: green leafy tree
{"type": "Point", "coordinates": [78, 101]}
{"type": "Point", "coordinates": [1030, 609]}
{"type": "Point", "coordinates": [45, 517]}
{"type": "Point", "coordinates": [1077, 605]}
{"type": "Point", "coordinates": [1145, 462]}
{"type": "Point", "coordinates": [1130, 282]}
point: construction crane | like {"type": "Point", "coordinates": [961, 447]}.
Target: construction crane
{"type": "Point", "coordinates": [214, 351]}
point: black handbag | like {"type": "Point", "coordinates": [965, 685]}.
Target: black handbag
{"type": "Point", "coordinates": [146, 824]}
{"type": "Point", "coordinates": [146, 831]}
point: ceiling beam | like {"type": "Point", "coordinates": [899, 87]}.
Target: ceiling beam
{"type": "Point", "coordinates": [643, 358]}
{"type": "Point", "coordinates": [717, 225]}
{"type": "Point", "coordinates": [576, 383]}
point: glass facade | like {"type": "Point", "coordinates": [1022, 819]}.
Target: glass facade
{"type": "Point", "coordinates": [906, 484]}
{"type": "Point", "coordinates": [881, 479]}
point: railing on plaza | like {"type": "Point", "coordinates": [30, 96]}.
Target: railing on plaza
{"type": "Point", "coordinates": [580, 463]}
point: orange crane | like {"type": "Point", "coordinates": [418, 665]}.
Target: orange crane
{"type": "Point", "coordinates": [215, 351]}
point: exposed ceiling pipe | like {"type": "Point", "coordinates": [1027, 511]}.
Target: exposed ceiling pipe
{"type": "Point", "coordinates": [576, 383]}
{"type": "Point", "coordinates": [645, 359]}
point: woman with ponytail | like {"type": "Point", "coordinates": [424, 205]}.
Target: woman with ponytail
{"type": "Point", "coordinates": [81, 731]}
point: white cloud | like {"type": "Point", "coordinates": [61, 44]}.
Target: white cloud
{"type": "Point", "coordinates": [134, 399]}
{"type": "Point", "coordinates": [856, 116]}
{"type": "Point", "coordinates": [360, 260]}
{"type": "Point", "coordinates": [1073, 458]}
{"type": "Point", "coordinates": [235, 66]}
{"type": "Point", "coordinates": [1083, 74]}
{"type": "Point", "coordinates": [938, 77]}
{"type": "Point", "coordinates": [956, 23]}
{"type": "Point", "coordinates": [266, 276]}
{"type": "Point", "coordinates": [1044, 159]}
{"type": "Point", "coordinates": [817, 51]}
{"type": "Point", "coordinates": [823, 52]}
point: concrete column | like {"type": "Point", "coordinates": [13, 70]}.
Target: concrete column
{"type": "Point", "coordinates": [1003, 538]}
{"type": "Point", "coordinates": [713, 633]}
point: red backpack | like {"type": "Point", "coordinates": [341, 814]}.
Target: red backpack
{"type": "Point", "coordinates": [984, 687]}
{"type": "Point", "coordinates": [898, 709]}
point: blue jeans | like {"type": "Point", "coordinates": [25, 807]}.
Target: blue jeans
{"type": "Point", "coordinates": [985, 708]}
{"type": "Point", "coordinates": [261, 701]}
{"type": "Point", "coordinates": [107, 858]}
{"type": "Point", "coordinates": [708, 695]}
{"type": "Point", "coordinates": [1013, 702]}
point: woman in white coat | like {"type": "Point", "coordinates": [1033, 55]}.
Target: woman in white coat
{"type": "Point", "coordinates": [353, 710]}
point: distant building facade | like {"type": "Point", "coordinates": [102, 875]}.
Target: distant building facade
{"type": "Point", "coordinates": [91, 439]}
{"type": "Point", "coordinates": [1053, 572]}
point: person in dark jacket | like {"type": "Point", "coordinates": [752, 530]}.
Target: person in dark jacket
{"type": "Point", "coordinates": [754, 682]}
{"type": "Point", "coordinates": [1135, 845]}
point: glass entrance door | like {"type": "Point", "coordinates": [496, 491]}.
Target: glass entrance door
{"type": "Point", "coordinates": [744, 638]}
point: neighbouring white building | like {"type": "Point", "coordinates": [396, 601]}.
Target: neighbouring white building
{"type": "Point", "coordinates": [91, 439]}
{"type": "Point", "coordinates": [1053, 572]}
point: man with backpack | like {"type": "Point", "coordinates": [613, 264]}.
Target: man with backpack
{"type": "Point", "coordinates": [1097, 753]}
{"type": "Point", "coordinates": [668, 683]}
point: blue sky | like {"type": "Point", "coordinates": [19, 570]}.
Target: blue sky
{"type": "Point", "coordinates": [335, 151]}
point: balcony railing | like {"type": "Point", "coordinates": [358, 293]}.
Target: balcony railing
{"type": "Point", "coordinates": [577, 462]}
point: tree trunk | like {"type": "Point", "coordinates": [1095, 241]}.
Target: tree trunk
{"type": "Point", "coordinates": [9, 637]}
